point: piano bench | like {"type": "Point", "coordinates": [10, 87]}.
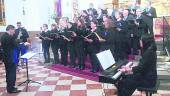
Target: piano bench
{"type": "Point", "coordinates": [150, 91]}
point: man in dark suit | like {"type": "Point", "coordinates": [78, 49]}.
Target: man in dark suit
{"type": "Point", "coordinates": [8, 45]}
{"type": "Point", "coordinates": [127, 16]}
{"type": "Point", "coordinates": [131, 31]}
{"type": "Point", "coordinates": [142, 75]}
{"type": "Point", "coordinates": [150, 13]}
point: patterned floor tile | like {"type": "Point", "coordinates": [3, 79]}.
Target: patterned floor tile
{"type": "Point", "coordinates": [63, 87]}
{"type": "Point", "coordinates": [27, 94]}
{"type": "Point", "coordinates": [54, 74]}
{"type": "Point", "coordinates": [64, 82]}
{"type": "Point", "coordinates": [91, 82]}
{"type": "Point", "coordinates": [97, 92]}
{"type": "Point", "coordinates": [50, 82]}
{"type": "Point", "coordinates": [6, 94]}
{"type": "Point", "coordinates": [44, 93]}
{"type": "Point", "coordinates": [54, 83]}
{"type": "Point", "coordinates": [38, 78]}
{"type": "Point", "coordinates": [65, 78]}
{"type": "Point", "coordinates": [2, 89]}
{"type": "Point", "coordinates": [36, 84]}
{"type": "Point", "coordinates": [77, 78]}
{"type": "Point", "coordinates": [94, 86]}
{"type": "Point", "coordinates": [42, 75]}
{"type": "Point", "coordinates": [33, 88]}
{"type": "Point", "coordinates": [78, 93]}
{"type": "Point", "coordinates": [51, 78]}
{"type": "Point", "coordinates": [2, 84]}
{"type": "Point", "coordinates": [47, 88]}
{"type": "Point", "coordinates": [78, 81]}
{"type": "Point", "coordinates": [79, 87]}
{"type": "Point", "coordinates": [61, 93]}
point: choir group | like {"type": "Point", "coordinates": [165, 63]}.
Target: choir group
{"type": "Point", "coordinates": [95, 31]}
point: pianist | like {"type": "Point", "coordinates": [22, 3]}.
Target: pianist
{"type": "Point", "coordinates": [142, 75]}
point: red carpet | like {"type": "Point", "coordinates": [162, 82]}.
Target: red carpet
{"type": "Point", "coordinates": [81, 73]}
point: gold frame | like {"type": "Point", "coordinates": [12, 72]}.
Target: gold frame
{"type": "Point", "coordinates": [2, 13]}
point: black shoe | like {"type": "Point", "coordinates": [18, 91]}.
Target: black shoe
{"type": "Point", "coordinates": [14, 90]}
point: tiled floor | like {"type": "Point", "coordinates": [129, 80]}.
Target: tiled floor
{"type": "Point", "coordinates": [55, 83]}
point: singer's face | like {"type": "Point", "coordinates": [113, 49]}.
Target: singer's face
{"type": "Point", "coordinates": [117, 15]}
{"type": "Point", "coordinates": [93, 25]}
{"type": "Point", "coordinates": [138, 12]}
{"type": "Point", "coordinates": [53, 27]}
{"type": "Point", "coordinates": [12, 31]}
{"type": "Point", "coordinates": [79, 23]}
{"type": "Point", "coordinates": [19, 25]}
{"type": "Point", "coordinates": [125, 13]}
{"type": "Point", "coordinates": [106, 23]}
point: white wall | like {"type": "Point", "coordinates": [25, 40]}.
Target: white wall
{"type": "Point", "coordinates": [13, 13]}
{"type": "Point", "coordinates": [38, 12]}
{"type": "Point", "coordinates": [67, 8]}
{"type": "Point", "coordinates": [84, 4]}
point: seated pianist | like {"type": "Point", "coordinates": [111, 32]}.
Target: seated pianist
{"type": "Point", "coordinates": [142, 75]}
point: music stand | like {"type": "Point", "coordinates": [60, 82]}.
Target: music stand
{"type": "Point", "coordinates": [27, 56]}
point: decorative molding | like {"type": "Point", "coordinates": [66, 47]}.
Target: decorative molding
{"type": "Point", "coordinates": [2, 13]}
{"type": "Point", "coordinates": [75, 8]}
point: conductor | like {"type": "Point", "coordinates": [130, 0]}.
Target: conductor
{"type": "Point", "coordinates": [8, 45]}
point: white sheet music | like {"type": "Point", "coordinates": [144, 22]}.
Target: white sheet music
{"type": "Point", "coordinates": [28, 55]}
{"type": "Point", "coordinates": [106, 59]}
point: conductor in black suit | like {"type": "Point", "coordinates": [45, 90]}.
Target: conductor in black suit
{"type": "Point", "coordinates": [8, 44]}
{"type": "Point", "coordinates": [142, 75]}
{"type": "Point", "coordinates": [150, 13]}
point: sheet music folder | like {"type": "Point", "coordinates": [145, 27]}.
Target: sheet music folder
{"type": "Point", "coordinates": [106, 59]}
{"type": "Point", "coordinates": [28, 55]}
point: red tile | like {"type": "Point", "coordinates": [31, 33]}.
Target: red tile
{"type": "Point", "coordinates": [79, 82]}
{"type": "Point", "coordinates": [109, 92]}
{"type": "Point", "coordinates": [94, 86]}
{"type": "Point", "coordinates": [78, 93]}
{"type": "Point", "coordinates": [165, 94]}
{"type": "Point", "coordinates": [50, 83]}
{"type": "Point", "coordinates": [6, 94]}
{"type": "Point", "coordinates": [2, 89]}
{"type": "Point", "coordinates": [65, 78]}
{"type": "Point", "coordinates": [44, 93]}
{"type": "Point", "coordinates": [33, 88]}
{"type": "Point", "coordinates": [54, 75]}
{"type": "Point", "coordinates": [63, 87]}
{"type": "Point", "coordinates": [2, 76]}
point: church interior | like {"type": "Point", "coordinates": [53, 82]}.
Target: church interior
{"type": "Point", "coordinates": [84, 47]}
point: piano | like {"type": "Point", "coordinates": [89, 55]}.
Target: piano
{"type": "Point", "coordinates": [112, 75]}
